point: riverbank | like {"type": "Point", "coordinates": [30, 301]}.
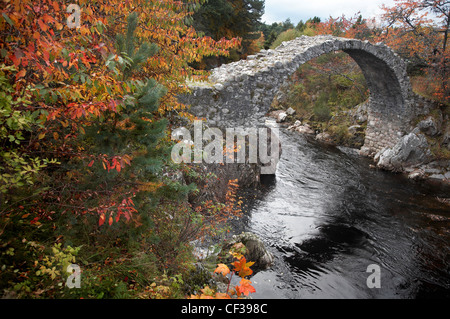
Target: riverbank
{"type": "Point", "coordinates": [423, 154]}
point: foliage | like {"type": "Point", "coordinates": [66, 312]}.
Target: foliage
{"type": "Point", "coordinates": [241, 268]}
{"type": "Point", "coordinates": [42, 270]}
{"type": "Point", "coordinates": [85, 157]}
{"type": "Point", "coordinates": [90, 84]}
{"type": "Point", "coordinates": [323, 91]}
{"type": "Point", "coordinates": [17, 168]}
{"type": "Point", "coordinates": [355, 27]}
{"type": "Point", "coordinates": [288, 35]}
{"type": "Point", "coordinates": [419, 32]}
{"type": "Point", "coordinates": [273, 31]}
{"type": "Point", "coordinates": [226, 19]}
{"type": "Point", "coordinates": [324, 85]}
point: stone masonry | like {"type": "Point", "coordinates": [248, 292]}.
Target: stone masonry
{"type": "Point", "coordinates": [240, 94]}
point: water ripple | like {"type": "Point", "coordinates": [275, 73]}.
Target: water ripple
{"type": "Point", "coordinates": [328, 216]}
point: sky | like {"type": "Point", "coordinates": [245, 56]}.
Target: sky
{"type": "Point", "coordinates": [296, 10]}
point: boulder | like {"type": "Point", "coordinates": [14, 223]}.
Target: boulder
{"type": "Point", "coordinates": [417, 175]}
{"type": "Point", "coordinates": [383, 159]}
{"type": "Point", "coordinates": [290, 111]}
{"type": "Point", "coordinates": [256, 250]}
{"type": "Point", "coordinates": [282, 117]}
{"type": "Point", "coordinates": [411, 151]}
{"type": "Point", "coordinates": [275, 114]}
{"type": "Point", "coordinates": [429, 127]}
{"type": "Point", "coordinates": [438, 177]}
{"type": "Point", "coordinates": [305, 130]}
{"type": "Point", "coordinates": [293, 127]}
{"type": "Point", "coordinates": [324, 137]}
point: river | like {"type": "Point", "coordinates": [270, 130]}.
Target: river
{"type": "Point", "coordinates": [327, 216]}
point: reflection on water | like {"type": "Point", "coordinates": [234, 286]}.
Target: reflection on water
{"type": "Point", "coordinates": [327, 216]}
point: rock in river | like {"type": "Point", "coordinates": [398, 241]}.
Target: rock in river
{"type": "Point", "coordinates": [256, 251]}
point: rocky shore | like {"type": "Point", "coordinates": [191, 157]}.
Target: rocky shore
{"type": "Point", "coordinates": [412, 155]}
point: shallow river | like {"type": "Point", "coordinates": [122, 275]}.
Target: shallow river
{"type": "Point", "coordinates": [327, 217]}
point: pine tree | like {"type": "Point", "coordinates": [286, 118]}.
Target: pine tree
{"type": "Point", "coordinates": [135, 134]}
{"type": "Point", "coordinates": [126, 46]}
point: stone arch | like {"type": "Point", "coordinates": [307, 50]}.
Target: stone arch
{"type": "Point", "coordinates": [240, 94]}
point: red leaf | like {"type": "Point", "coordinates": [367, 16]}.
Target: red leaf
{"type": "Point", "coordinates": [102, 220]}
{"type": "Point", "coordinates": [20, 74]}
{"type": "Point", "coordinates": [42, 25]}
{"type": "Point", "coordinates": [16, 57]}
{"type": "Point", "coordinates": [91, 163]}
{"type": "Point", "coordinates": [46, 56]}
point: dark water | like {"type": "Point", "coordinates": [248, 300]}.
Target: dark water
{"type": "Point", "coordinates": [327, 216]}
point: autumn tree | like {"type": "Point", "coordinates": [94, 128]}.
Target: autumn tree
{"type": "Point", "coordinates": [84, 114]}
{"type": "Point", "coordinates": [355, 27]}
{"type": "Point", "coordinates": [76, 76]}
{"type": "Point", "coordinates": [418, 30]}
{"type": "Point", "coordinates": [231, 19]}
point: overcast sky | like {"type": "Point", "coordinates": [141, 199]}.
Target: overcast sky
{"type": "Point", "coordinates": [296, 10]}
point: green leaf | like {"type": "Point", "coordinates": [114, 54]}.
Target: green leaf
{"type": "Point", "coordinates": [8, 19]}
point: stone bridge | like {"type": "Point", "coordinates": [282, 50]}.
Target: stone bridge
{"type": "Point", "coordinates": [240, 94]}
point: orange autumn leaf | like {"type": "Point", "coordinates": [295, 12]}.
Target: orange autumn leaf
{"type": "Point", "coordinates": [42, 25]}
{"type": "Point", "coordinates": [245, 287]}
{"type": "Point", "coordinates": [223, 269]}
{"type": "Point", "coordinates": [243, 267]}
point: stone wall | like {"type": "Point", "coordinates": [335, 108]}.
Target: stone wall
{"type": "Point", "coordinates": [240, 94]}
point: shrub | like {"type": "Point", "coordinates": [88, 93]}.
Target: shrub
{"type": "Point", "coordinates": [322, 112]}
{"type": "Point", "coordinates": [286, 36]}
